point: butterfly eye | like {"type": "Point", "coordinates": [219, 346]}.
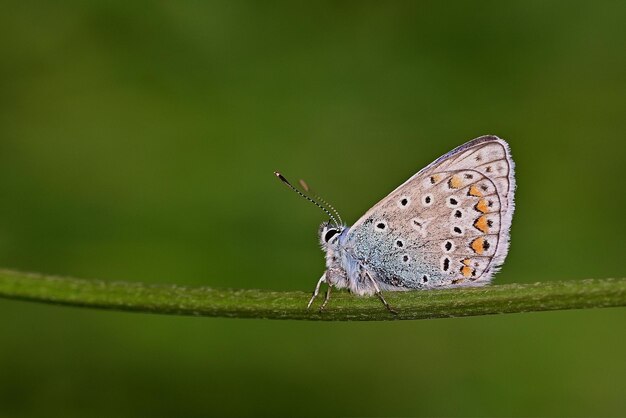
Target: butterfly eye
{"type": "Point", "coordinates": [330, 234]}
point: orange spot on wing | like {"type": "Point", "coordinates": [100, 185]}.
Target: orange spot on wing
{"type": "Point", "coordinates": [477, 245]}
{"type": "Point", "coordinates": [482, 224]}
{"type": "Point", "coordinates": [455, 182]}
{"type": "Point", "coordinates": [474, 191]}
{"type": "Point", "coordinates": [481, 206]}
{"type": "Point", "coordinates": [466, 261]}
{"type": "Point", "coordinates": [466, 271]}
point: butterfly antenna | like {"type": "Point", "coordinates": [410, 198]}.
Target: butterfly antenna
{"type": "Point", "coordinates": [284, 180]}
{"type": "Point", "coordinates": [307, 189]}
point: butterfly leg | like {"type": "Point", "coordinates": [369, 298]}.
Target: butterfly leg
{"type": "Point", "coordinates": [317, 291]}
{"type": "Point", "coordinates": [380, 294]}
{"type": "Point", "coordinates": [326, 298]}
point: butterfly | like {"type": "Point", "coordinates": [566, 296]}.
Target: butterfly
{"type": "Point", "coordinates": [445, 227]}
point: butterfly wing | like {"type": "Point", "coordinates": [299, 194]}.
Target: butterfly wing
{"type": "Point", "coordinates": [448, 225]}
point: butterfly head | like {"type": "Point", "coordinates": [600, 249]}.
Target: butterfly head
{"type": "Point", "coordinates": [329, 234]}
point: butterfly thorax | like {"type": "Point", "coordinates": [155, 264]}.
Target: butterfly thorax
{"type": "Point", "coordinates": [343, 268]}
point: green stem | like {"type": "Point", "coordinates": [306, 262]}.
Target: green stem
{"type": "Point", "coordinates": [202, 301]}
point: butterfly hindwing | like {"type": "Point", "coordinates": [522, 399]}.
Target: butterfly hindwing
{"type": "Point", "coordinates": [448, 225]}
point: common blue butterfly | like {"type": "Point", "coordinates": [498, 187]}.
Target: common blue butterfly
{"type": "Point", "coordinates": [447, 226]}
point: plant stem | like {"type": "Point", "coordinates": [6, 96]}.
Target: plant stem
{"type": "Point", "coordinates": [202, 301]}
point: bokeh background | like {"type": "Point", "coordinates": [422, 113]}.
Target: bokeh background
{"type": "Point", "coordinates": [138, 141]}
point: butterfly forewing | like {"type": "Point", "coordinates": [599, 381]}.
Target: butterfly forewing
{"type": "Point", "coordinates": [446, 226]}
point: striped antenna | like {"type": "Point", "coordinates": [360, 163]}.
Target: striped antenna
{"type": "Point", "coordinates": [284, 180]}
{"type": "Point", "coordinates": [307, 189]}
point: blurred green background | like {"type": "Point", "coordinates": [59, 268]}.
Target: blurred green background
{"type": "Point", "coordinates": [138, 141]}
